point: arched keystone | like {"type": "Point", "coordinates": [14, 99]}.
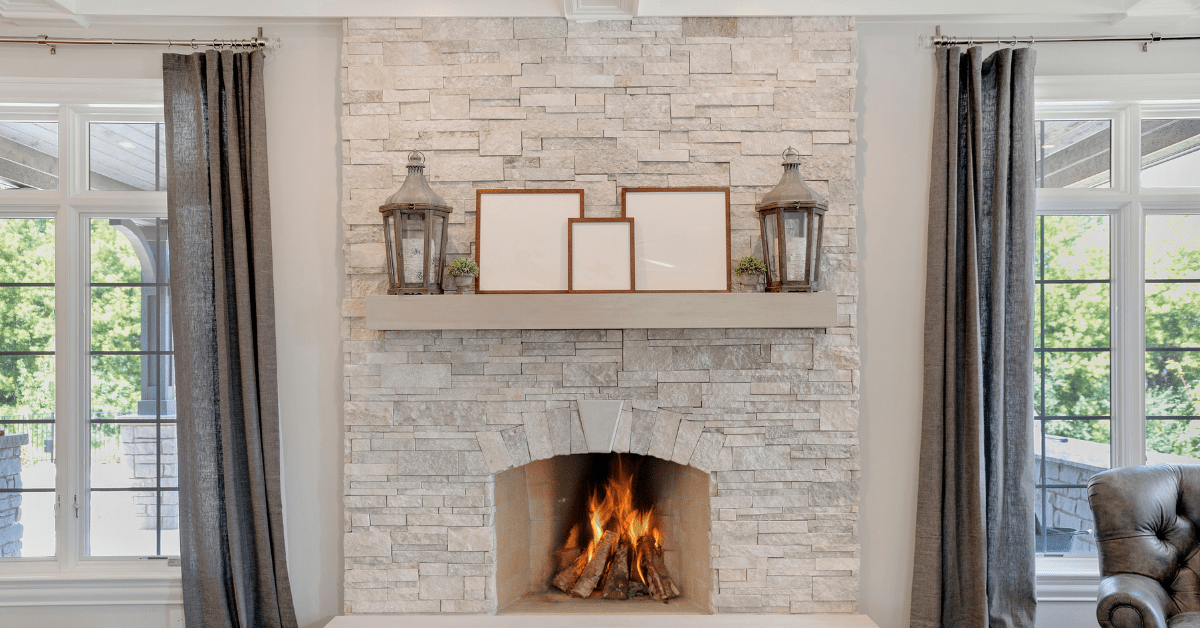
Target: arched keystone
{"type": "Point", "coordinates": [600, 419]}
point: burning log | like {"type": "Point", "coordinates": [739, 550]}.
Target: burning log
{"type": "Point", "coordinates": [566, 578]}
{"type": "Point", "coordinates": [570, 551]}
{"type": "Point", "coordinates": [595, 568]}
{"type": "Point", "coordinates": [615, 585]}
{"type": "Point", "coordinates": [658, 579]}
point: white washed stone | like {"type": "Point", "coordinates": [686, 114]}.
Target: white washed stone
{"type": "Point", "coordinates": [537, 430]}
{"type": "Point", "coordinates": [466, 28]}
{"type": "Point", "coordinates": [494, 451]}
{"type": "Point", "coordinates": [469, 539]}
{"type": "Point", "coordinates": [709, 445]}
{"type": "Point", "coordinates": [685, 441]}
{"type": "Point", "coordinates": [560, 430]}
{"type": "Point", "coordinates": [442, 587]}
{"type": "Point", "coordinates": [500, 143]}
{"type": "Point", "coordinates": [408, 376]}
{"type": "Point", "coordinates": [621, 442]}
{"type": "Point", "coordinates": [368, 543]}
{"type": "Point", "coordinates": [449, 106]}
{"type": "Point", "coordinates": [666, 429]}
{"type": "Point", "coordinates": [711, 59]}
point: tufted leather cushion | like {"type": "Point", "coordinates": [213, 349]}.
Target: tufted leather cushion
{"type": "Point", "coordinates": [1186, 620]}
{"type": "Point", "coordinates": [1146, 525]}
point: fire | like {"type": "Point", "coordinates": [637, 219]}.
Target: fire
{"type": "Point", "coordinates": [623, 558]}
{"type": "Point", "coordinates": [615, 512]}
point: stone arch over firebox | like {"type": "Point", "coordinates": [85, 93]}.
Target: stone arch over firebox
{"type": "Point", "coordinates": [603, 426]}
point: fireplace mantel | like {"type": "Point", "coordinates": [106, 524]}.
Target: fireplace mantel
{"type": "Point", "coordinates": [604, 621]}
{"type": "Point", "coordinates": [638, 310]}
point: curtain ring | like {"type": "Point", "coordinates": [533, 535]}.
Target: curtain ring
{"type": "Point", "coordinates": [194, 46]}
{"type": "Point", "coordinates": [169, 45]}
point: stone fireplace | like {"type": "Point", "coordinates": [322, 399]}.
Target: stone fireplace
{"type": "Point", "coordinates": [456, 440]}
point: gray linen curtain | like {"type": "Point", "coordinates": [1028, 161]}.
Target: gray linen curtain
{"type": "Point", "coordinates": [974, 559]}
{"type": "Point", "coordinates": [219, 221]}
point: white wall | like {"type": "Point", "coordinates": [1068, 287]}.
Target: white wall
{"type": "Point", "coordinates": [304, 153]}
{"type": "Point", "coordinates": [895, 105]}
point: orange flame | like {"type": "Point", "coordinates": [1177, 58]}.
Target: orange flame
{"type": "Point", "coordinates": [615, 512]}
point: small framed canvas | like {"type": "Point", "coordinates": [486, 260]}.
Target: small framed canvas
{"type": "Point", "coordinates": [600, 255]}
{"type": "Point", "coordinates": [682, 241]}
{"type": "Point", "coordinates": [521, 239]}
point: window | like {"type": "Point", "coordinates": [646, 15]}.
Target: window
{"type": "Point", "coordinates": [87, 463]}
{"type": "Point", "coordinates": [1117, 348]}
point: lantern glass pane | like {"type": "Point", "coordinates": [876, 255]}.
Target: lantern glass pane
{"type": "Point", "coordinates": [771, 242]}
{"type": "Point", "coordinates": [389, 230]}
{"type": "Point", "coordinates": [434, 269]}
{"type": "Point", "coordinates": [412, 240]}
{"type": "Point", "coordinates": [815, 261]}
{"type": "Point", "coordinates": [795, 231]}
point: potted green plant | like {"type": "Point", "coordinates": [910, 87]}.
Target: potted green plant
{"type": "Point", "coordinates": [750, 270]}
{"type": "Point", "coordinates": [464, 270]}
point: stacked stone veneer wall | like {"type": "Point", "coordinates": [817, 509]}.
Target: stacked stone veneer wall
{"type": "Point", "coordinates": [10, 503]}
{"type": "Point", "coordinates": [140, 450]}
{"type": "Point", "coordinates": [546, 103]}
{"type": "Point", "coordinates": [1068, 507]}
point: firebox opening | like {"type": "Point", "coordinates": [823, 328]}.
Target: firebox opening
{"type": "Point", "coordinates": [571, 517]}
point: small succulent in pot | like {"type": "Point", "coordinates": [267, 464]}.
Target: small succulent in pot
{"type": "Point", "coordinates": [750, 270]}
{"type": "Point", "coordinates": [464, 270]}
{"type": "Point", "coordinates": [465, 266]}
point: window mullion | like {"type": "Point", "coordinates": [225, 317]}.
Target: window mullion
{"type": "Point", "coordinates": [1127, 378]}
{"type": "Point", "coordinates": [74, 397]}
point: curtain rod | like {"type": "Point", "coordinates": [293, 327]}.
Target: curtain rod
{"type": "Point", "coordinates": [1145, 40]}
{"type": "Point", "coordinates": [259, 42]}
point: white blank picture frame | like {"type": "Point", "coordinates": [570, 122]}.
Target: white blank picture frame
{"type": "Point", "coordinates": [521, 238]}
{"type": "Point", "coordinates": [682, 240]}
{"type": "Point", "coordinates": [601, 255]}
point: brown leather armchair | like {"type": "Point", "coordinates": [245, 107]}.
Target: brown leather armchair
{"type": "Point", "coordinates": [1146, 528]}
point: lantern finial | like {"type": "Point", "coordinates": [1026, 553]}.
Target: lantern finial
{"type": "Point", "coordinates": [415, 193]}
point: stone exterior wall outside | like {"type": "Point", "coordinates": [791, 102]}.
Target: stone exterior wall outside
{"type": "Point", "coordinates": [431, 417]}
{"type": "Point", "coordinates": [11, 529]}
{"type": "Point", "coordinates": [139, 449]}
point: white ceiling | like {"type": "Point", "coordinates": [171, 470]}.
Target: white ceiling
{"type": "Point", "coordinates": [81, 12]}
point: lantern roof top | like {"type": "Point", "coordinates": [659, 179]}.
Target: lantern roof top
{"type": "Point", "coordinates": [415, 192]}
{"type": "Point", "coordinates": [791, 190]}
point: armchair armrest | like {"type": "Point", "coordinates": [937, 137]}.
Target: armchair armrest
{"type": "Point", "coordinates": [1131, 601]}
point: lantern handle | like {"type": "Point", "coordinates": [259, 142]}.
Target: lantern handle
{"type": "Point", "coordinates": [416, 158]}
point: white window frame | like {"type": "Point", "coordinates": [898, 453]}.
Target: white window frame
{"type": "Point", "coordinates": [72, 577]}
{"type": "Point", "coordinates": [1126, 100]}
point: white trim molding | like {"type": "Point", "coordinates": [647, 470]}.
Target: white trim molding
{"type": "Point", "coordinates": [1125, 88]}
{"type": "Point", "coordinates": [593, 10]}
{"type": "Point", "coordinates": [92, 583]}
{"type": "Point", "coordinates": [1067, 579]}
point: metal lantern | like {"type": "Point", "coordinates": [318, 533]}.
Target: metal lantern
{"type": "Point", "coordinates": [793, 222]}
{"type": "Point", "coordinates": [414, 229]}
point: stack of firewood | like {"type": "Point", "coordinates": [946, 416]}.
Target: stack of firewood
{"type": "Point", "coordinates": [613, 570]}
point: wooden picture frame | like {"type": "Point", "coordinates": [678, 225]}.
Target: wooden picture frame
{"type": "Point", "coordinates": [521, 239]}
{"type": "Point", "coordinates": [683, 241]}
{"type": "Point", "coordinates": [600, 255]}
